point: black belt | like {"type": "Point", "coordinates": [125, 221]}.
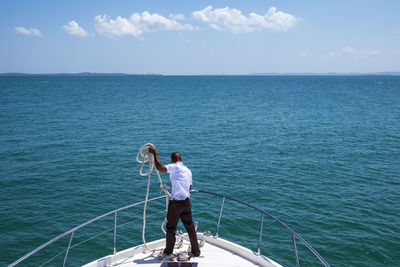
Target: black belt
{"type": "Point", "coordinates": [186, 199]}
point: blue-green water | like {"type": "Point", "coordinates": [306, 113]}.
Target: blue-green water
{"type": "Point", "coordinates": [320, 153]}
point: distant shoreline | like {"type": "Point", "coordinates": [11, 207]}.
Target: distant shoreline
{"type": "Point", "coordinates": [85, 74]}
{"type": "Point", "coordinates": [74, 74]}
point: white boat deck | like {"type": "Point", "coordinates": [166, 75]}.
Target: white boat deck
{"type": "Point", "coordinates": [215, 252]}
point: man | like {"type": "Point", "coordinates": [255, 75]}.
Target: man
{"type": "Point", "coordinates": [179, 205]}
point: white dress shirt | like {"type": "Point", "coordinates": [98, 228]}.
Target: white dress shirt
{"type": "Point", "coordinates": [181, 180]}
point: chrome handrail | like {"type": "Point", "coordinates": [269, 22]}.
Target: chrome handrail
{"type": "Point", "coordinates": [114, 212]}
{"type": "Point", "coordinates": [293, 233]}
{"type": "Point", "coordinates": [79, 227]}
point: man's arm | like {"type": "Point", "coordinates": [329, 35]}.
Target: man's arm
{"type": "Point", "coordinates": [159, 166]}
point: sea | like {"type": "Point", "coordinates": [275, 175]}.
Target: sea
{"type": "Point", "coordinates": [320, 153]}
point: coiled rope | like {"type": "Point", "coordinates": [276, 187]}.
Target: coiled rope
{"type": "Point", "coordinates": [143, 157]}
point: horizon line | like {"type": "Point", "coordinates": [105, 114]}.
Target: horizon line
{"type": "Point", "coordinates": [388, 73]}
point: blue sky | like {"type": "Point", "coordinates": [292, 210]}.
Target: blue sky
{"type": "Point", "coordinates": [199, 37]}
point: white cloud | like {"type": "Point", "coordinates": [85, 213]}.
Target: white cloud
{"type": "Point", "coordinates": [329, 55]}
{"type": "Point", "coordinates": [73, 28]}
{"type": "Point", "coordinates": [177, 16]}
{"type": "Point", "coordinates": [137, 24]}
{"type": "Point", "coordinates": [353, 51]}
{"type": "Point", "coordinates": [232, 19]}
{"type": "Point", "coordinates": [30, 31]}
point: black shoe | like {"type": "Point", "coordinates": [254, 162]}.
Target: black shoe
{"type": "Point", "coordinates": [162, 256]}
{"type": "Point", "coordinates": [196, 254]}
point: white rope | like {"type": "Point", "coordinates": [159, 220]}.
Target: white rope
{"type": "Point", "coordinates": [146, 157]}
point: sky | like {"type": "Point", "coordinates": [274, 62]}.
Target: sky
{"type": "Point", "coordinates": [199, 37]}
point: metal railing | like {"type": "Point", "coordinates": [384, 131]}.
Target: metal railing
{"type": "Point", "coordinates": [263, 212]}
{"type": "Point", "coordinates": [115, 212]}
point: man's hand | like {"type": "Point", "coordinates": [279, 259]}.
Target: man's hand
{"type": "Point", "coordinates": [159, 166]}
{"type": "Point", "coordinates": [153, 150]}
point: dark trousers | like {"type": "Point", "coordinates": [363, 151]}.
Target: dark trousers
{"type": "Point", "coordinates": [180, 209]}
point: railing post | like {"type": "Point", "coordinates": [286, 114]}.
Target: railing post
{"type": "Point", "coordinates": [295, 251]}
{"type": "Point", "coordinates": [115, 233]}
{"type": "Point", "coordinates": [219, 218]}
{"type": "Point", "coordinates": [69, 245]}
{"type": "Point", "coordinates": [261, 230]}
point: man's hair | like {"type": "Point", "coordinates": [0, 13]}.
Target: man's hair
{"type": "Point", "coordinates": [175, 156]}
